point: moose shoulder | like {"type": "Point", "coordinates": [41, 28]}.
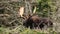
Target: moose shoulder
{"type": "Point", "coordinates": [35, 21]}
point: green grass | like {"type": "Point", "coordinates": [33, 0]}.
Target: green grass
{"type": "Point", "coordinates": [25, 31]}
{"type": "Point", "coordinates": [29, 31]}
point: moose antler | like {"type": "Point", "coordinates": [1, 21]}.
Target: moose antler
{"type": "Point", "coordinates": [34, 11]}
{"type": "Point", "coordinates": [21, 11]}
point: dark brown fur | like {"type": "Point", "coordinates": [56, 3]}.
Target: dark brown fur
{"type": "Point", "coordinates": [45, 22]}
{"type": "Point", "coordinates": [37, 22]}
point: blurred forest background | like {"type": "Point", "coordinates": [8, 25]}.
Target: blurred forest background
{"type": "Point", "coordinates": [11, 23]}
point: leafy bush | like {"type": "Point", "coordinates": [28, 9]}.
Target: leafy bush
{"type": "Point", "coordinates": [45, 8]}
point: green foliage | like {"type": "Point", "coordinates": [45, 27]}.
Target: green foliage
{"type": "Point", "coordinates": [45, 7]}
{"type": "Point", "coordinates": [25, 31]}
{"type": "Point", "coordinates": [29, 31]}
{"type": "Point", "coordinates": [3, 31]}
